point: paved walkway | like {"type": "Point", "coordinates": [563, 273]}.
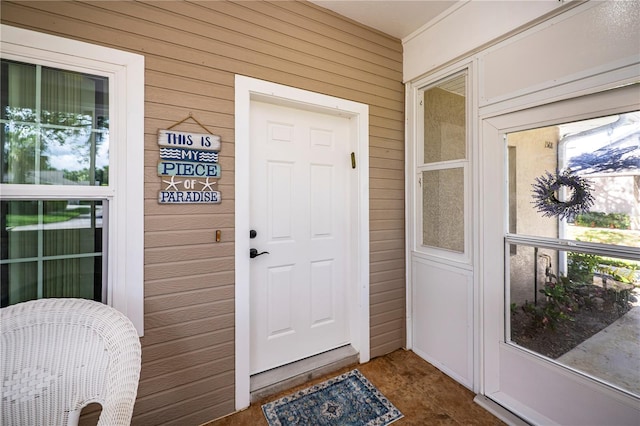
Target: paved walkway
{"type": "Point", "coordinates": [613, 354]}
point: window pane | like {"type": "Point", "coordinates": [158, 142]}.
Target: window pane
{"type": "Point", "coordinates": [70, 278]}
{"type": "Point", "coordinates": [18, 102]}
{"type": "Point", "coordinates": [80, 233]}
{"type": "Point", "coordinates": [445, 121]}
{"type": "Point", "coordinates": [51, 248]}
{"type": "Point", "coordinates": [604, 153]}
{"type": "Point", "coordinates": [55, 126]}
{"type": "Point", "coordinates": [564, 303]}
{"type": "Point", "coordinates": [26, 274]}
{"type": "Point", "coordinates": [443, 209]}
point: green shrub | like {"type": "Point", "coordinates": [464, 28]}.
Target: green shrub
{"type": "Point", "coordinates": [603, 220]}
{"type": "Point", "coordinates": [581, 266]}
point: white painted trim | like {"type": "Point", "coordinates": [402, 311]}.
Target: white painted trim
{"type": "Point", "coordinates": [483, 22]}
{"type": "Point", "coordinates": [246, 89]}
{"type": "Point", "coordinates": [126, 163]}
{"type": "Point", "coordinates": [409, 155]}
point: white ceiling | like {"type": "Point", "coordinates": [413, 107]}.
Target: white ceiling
{"type": "Point", "coordinates": [398, 18]}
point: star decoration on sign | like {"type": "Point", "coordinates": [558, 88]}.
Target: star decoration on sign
{"type": "Point", "coordinates": [207, 185]}
{"type": "Point", "coordinates": [172, 183]}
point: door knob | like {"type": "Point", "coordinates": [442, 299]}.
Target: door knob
{"type": "Point", "coordinates": [254, 253]}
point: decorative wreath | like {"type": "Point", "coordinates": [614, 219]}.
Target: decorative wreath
{"type": "Point", "coordinates": [545, 191]}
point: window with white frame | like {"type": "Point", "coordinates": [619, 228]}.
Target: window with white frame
{"type": "Point", "coordinates": [71, 172]}
{"type": "Point", "coordinates": [442, 165]}
{"type": "Point", "coordinates": [573, 254]}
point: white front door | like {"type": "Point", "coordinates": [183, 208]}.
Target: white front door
{"type": "Point", "coordinates": [299, 209]}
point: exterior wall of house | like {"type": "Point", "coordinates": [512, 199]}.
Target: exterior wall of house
{"type": "Point", "coordinates": [532, 154]}
{"type": "Point", "coordinates": [192, 52]}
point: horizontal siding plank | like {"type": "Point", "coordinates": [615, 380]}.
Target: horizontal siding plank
{"type": "Point", "coordinates": [394, 289]}
{"type": "Point", "coordinates": [386, 316]}
{"type": "Point", "coordinates": [160, 351]}
{"type": "Point", "coordinates": [397, 293]}
{"type": "Point", "coordinates": [386, 235]}
{"type": "Point", "coordinates": [383, 163]}
{"type": "Point", "coordinates": [187, 283]}
{"type": "Point", "coordinates": [386, 153]}
{"type": "Point", "coordinates": [183, 361]}
{"type": "Point", "coordinates": [379, 277]}
{"type": "Point", "coordinates": [382, 256]}
{"type": "Point", "coordinates": [160, 222]}
{"type": "Point", "coordinates": [166, 302]}
{"type": "Point", "coordinates": [182, 377]}
{"type": "Point", "coordinates": [169, 96]}
{"type": "Point", "coordinates": [376, 205]}
{"type": "Point", "coordinates": [389, 305]}
{"type": "Point", "coordinates": [386, 214]}
{"type": "Point", "coordinates": [388, 347]}
{"type": "Point", "coordinates": [170, 114]}
{"type": "Point", "coordinates": [388, 248]}
{"type": "Point", "coordinates": [386, 265]}
{"type": "Point", "coordinates": [192, 267]}
{"type": "Point", "coordinates": [387, 224]}
{"type": "Point", "coordinates": [377, 173]}
{"type": "Point", "coordinates": [190, 252]}
{"type": "Point", "coordinates": [377, 111]}
{"type": "Point", "coordinates": [206, 310]}
{"type": "Point", "coordinates": [160, 79]}
{"type": "Point", "coordinates": [181, 410]}
{"type": "Point", "coordinates": [384, 133]}
{"type": "Point", "coordinates": [161, 400]}
{"type": "Point", "coordinates": [169, 66]}
{"type": "Point", "coordinates": [394, 184]}
{"type": "Point", "coordinates": [387, 194]}
{"type": "Point", "coordinates": [186, 329]}
{"type": "Point", "coordinates": [389, 327]}
{"type": "Point", "coordinates": [205, 415]}
{"type": "Point", "coordinates": [166, 238]}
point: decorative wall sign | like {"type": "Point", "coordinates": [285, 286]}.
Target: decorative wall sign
{"type": "Point", "coordinates": [204, 141]}
{"type": "Point", "coordinates": [185, 158]}
{"type": "Point", "coordinates": [545, 190]}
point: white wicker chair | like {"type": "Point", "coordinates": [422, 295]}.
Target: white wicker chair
{"type": "Point", "coordinates": [58, 355]}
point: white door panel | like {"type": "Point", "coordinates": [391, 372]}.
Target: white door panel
{"type": "Point", "coordinates": [300, 210]}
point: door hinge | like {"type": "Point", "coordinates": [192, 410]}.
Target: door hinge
{"type": "Point", "coordinates": [353, 160]}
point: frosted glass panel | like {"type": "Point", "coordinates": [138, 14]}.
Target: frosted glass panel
{"type": "Point", "coordinates": [443, 209]}
{"type": "Point", "coordinates": [445, 121]}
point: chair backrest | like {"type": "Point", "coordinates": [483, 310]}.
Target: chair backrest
{"type": "Point", "coordinates": [58, 355]}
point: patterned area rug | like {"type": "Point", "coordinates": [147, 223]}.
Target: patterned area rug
{"type": "Point", "coordinates": [346, 400]}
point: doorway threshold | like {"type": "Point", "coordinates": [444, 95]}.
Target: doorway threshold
{"type": "Point", "coordinates": [278, 379]}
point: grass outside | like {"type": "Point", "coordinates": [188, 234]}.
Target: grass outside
{"type": "Point", "coordinates": [625, 237]}
{"type": "Point", "coordinates": [54, 217]}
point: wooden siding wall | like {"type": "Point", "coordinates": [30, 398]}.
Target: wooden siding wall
{"type": "Point", "coordinates": [192, 51]}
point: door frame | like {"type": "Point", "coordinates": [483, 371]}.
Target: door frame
{"type": "Point", "coordinates": [246, 90]}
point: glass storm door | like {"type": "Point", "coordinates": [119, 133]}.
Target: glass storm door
{"type": "Point", "coordinates": [566, 287]}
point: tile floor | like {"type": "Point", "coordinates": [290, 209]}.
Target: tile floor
{"type": "Point", "coordinates": [424, 394]}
